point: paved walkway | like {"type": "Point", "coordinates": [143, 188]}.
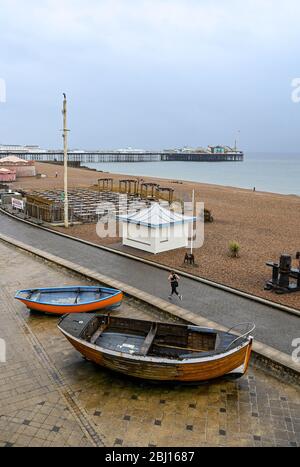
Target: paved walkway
{"type": "Point", "coordinates": [274, 328]}
{"type": "Point", "coordinates": [51, 396]}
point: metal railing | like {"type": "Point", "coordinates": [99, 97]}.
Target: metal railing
{"type": "Point", "coordinates": [250, 327]}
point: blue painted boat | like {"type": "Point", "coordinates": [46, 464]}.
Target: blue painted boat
{"type": "Point", "coordinates": [74, 299]}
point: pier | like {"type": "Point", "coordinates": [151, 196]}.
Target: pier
{"type": "Point", "coordinates": [128, 156]}
{"type": "Point", "coordinates": [203, 157]}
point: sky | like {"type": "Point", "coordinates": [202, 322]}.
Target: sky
{"type": "Point", "coordinates": [151, 74]}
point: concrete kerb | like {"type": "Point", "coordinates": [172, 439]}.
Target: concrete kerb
{"type": "Point", "coordinates": [208, 282]}
{"type": "Point", "coordinates": [264, 356]}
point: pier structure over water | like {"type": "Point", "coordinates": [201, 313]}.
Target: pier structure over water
{"type": "Point", "coordinates": [98, 156]}
{"type": "Point", "coordinates": [212, 154]}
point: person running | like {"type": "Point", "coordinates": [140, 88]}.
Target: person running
{"type": "Point", "coordinates": [173, 279]}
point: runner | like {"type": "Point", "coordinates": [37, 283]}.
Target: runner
{"type": "Point", "coordinates": [173, 279]}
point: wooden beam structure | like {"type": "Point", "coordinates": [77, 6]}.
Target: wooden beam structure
{"type": "Point", "coordinates": [105, 184]}
{"type": "Point", "coordinates": [152, 187]}
{"type": "Point", "coordinates": [129, 186]}
{"type": "Point", "coordinates": [170, 192]}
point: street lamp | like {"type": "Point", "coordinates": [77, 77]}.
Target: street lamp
{"type": "Point", "coordinates": [65, 137]}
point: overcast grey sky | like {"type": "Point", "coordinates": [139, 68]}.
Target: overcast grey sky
{"type": "Point", "coordinates": [151, 73]}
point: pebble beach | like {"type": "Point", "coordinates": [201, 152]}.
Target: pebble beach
{"type": "Point", "coordinates": [264, 224]}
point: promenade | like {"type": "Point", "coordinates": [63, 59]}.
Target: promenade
{"type": "Point", "coordinates": [274, 327]}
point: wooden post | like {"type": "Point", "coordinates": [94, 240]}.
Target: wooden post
{"type": "Point", "coordinates": [275, 273]}
{"type": "Point", "coordinates": [192, 238]}
{"type": "Point", "coordinates": [65, 137]}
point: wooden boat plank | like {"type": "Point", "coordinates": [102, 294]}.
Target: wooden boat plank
{"type": "Point", "coordinates": [186, 349]}
{"type": "Point", "coordinates": [98, 333]}
{"type": "Point", "coordinates": [149, 339]}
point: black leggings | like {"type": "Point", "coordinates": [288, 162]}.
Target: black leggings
{"type": "Point", "coordinates": [174, 288]}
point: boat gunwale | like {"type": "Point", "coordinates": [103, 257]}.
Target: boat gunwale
{"type": "Point", "coordinates": [152, 359]}
{"type": "Point", "coordinates": [83, 288]}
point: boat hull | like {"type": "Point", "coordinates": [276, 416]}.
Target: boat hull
{"type": "Point", "coordinates": [208, 369]}
{"type": "Point", "coordinates": [110, 301]}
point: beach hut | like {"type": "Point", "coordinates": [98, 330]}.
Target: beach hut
{"type": "Point", "coordinates": [7, 175]}
{"type": "Point", "coordinates": [155, 229]}
{"type": "Point", "coordinates": [22, 167]}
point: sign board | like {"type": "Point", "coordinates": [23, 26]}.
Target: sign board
{"type": "Point", "coordinates": [17, 204]}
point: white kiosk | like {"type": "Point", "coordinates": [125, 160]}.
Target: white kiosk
{"type": "Point", "coordinates": [156, 229]}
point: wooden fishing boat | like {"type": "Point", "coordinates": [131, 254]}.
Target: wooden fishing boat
{"type": "Point", "coordinates": [62, 300]}
{"type": "Point", "coordinates": [159, 351]}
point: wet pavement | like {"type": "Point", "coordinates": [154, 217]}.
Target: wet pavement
{"type": "Point", "coordinates": [51, 396]}
{"type": "Point", "coordinates": [273, 327]}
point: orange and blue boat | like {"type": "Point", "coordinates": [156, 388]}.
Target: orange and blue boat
{"type": "Point", "coordinates": [64, 300]}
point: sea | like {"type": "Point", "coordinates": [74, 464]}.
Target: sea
{"type": "Point", "coordinates": [270, 172]}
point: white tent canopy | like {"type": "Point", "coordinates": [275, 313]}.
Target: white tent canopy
{"type": "Point", "coordinates": [156, 216]}
{"type": "Point", "coordinates": [156, 229]}
{"type": "Point", "coordinates": [12, 160]}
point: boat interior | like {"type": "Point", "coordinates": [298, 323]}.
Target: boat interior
{"type": "Point", "coordinates": [66, 297]}
{"type": "Point", "coordinates": [151, 339]}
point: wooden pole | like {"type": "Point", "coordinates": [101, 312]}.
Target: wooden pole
{"type": "Point", "coordinates": [65, 137]}
{"type": "Point", "coordinates": [192, 238]}
{"type": "Point", "coordinates": [180, 348]}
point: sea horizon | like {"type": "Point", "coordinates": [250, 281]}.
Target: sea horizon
{"type": "Point", "coordinates": [266, 171]}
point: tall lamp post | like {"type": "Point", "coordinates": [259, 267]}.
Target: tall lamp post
{"type": "Point", "coordinates": [65, 137]}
